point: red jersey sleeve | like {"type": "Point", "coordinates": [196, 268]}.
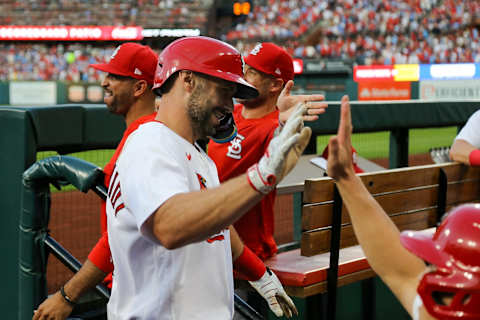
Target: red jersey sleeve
{"type": "Point", "coordinates": [101, 256]}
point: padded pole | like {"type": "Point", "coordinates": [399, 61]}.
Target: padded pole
{"type": "Point", "coordinates": [332, 274]}
{"type": "Point", "coordinates": [32, 256]}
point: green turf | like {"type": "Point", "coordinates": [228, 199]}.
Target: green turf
{"type": "Point", "coordinates": [97, 157]}
{"type": "Point", "coordinates": [376, 144]}
{"type": "Point", "coordinates": [368, 145]}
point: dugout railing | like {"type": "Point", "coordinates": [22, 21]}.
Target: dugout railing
{"type": "Point", "coordinates": [70, 128]}
{"type": "Point", "coordinates": [36, 243]}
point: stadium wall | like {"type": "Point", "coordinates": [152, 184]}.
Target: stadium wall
{"type": "Point", "coordinates": [70, 128]}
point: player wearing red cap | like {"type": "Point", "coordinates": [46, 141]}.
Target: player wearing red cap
{"type": "Point", "coordinates": [269, 68]}
{"type": "Point", "coordinates": [168, 215]}
{"type": "Point", "coordinates": [449, 288]}
{"type": "Point", "coordinates": [128, 92]}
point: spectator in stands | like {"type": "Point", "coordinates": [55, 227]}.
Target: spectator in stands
{"type": "Point", "coordinates": [449, 287]}
{"type": "Point", "coordinates": [399, 31]}
{"type": "Point", "coordinates": [466, 146]}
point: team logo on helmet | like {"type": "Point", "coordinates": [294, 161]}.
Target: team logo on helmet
{"type": "Point", "coordinates": [256, 50]}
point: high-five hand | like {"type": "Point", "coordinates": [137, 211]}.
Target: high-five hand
{"type": "Point", "coordinates": [340, 164]}
{"type": "Point", "coordinates": [286, 102]}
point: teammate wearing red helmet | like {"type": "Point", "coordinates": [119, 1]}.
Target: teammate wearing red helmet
{"type": "Point", "coordinates": [168, 215]}
{"type": "Point", "coordinates": [449, 288]}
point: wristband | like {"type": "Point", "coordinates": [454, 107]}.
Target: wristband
{"type": "Point", "coordinates": [250, 265]}
{"type": "Point", "coordinates": [474, 157]}
{"type": "Point", "coordinates": [67, 298]}
{"type": "Point", "coordinates": [257, 182]}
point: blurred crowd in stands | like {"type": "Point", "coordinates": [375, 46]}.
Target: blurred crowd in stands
{"type": "Point", "coordinates": [362, 31]}
{"type": "Point", "coordinates": [145, 13]}
{"type": "Point", "coordinates": [366, 31]}
{"type": "Point", "coordinates": [58, 62]}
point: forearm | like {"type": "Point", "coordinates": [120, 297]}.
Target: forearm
{"type": "Point", "coordinates": [191, 217]}
{"type": "Point", "coordinates": [85, 279]}
{"type": "Point", "coordinates": [460, 151]}
{"type": "Point", "coordinates": [236, 243]}
{"type": "Point", "coordinates": [377, 234]}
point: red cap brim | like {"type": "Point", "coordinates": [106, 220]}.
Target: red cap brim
{"type": "Point", "coordinates": [421, 244]}
{"type": "Point", "coordinates": [105, 67]}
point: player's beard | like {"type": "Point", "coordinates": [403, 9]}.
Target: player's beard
{"type": "Point", "coordinates": [200, 114]}
{"type": "Point", "coordinates": [120, 102]}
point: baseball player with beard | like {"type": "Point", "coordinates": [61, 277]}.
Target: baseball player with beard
{"type": "Point", "coordinates": [168, 215]}
{"type": "Point", "coordinates": [449, 287]}
{"type": "Point", "coordinates": [128, 92]}
{"type": "Point", "coordinates": [270, 69]}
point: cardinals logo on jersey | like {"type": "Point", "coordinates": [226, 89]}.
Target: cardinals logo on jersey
{"type": "Point", "coordinates": [235, 147]}
{"type": "Point", "coordinates": [202, 181]}
{"type": "Point", "coordinates": [217, 237]}
{"type": "Point", "coordinates": [220, 237]}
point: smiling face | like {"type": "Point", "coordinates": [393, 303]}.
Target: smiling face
{"type": "Point", "coordinates": [209, 102]}
{"type": "Point", "coordinates": [118, 93]}
{"type": "Point", "coordinates": [261, 81]}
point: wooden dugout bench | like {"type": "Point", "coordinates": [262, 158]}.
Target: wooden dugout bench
{"type": "Point", "coordinates": [329, 255]}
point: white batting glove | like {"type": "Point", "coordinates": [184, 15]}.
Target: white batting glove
{"type": "Point", "coordinates": [270, 288]}
{"type": "Point", "coordinates": [264, 175]}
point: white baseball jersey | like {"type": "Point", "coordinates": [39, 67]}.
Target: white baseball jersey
{"type": "Point", "coordinates": [471, 131]}
{"type": "Point", "coordinates": [150, 281]}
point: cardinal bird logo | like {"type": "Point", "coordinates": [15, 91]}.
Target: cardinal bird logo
{"type": "Point", "coordinates": [202, 181]}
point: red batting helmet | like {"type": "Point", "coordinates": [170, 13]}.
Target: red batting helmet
{"type": "Point", "coordinates": [204, 55]}
{"type": "Point", "coordinates": [455, 251]}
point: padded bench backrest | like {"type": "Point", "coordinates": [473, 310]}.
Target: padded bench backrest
{"type": "Point", "coordinates": [414, 197]}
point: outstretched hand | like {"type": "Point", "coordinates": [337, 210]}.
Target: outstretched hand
{"type": "Point", "coordinates": [286, 102]}
{"type": "Point", "coordinates": [340, 165]}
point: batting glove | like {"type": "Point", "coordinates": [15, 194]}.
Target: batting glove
{"type": "Point", "coordinates": [270, 288]}
{"type": "Point", "coordinates": [282, 153]}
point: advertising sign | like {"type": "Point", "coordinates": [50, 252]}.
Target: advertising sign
{"type": "Point", "coordinates": [84, 93]}
{"type": "Point", "coordinates": [33, 93]}
{"type": "Point", "coordinates": [406, 72]}
{"type": "Point", "coordinates": [372, 73]}
{"type": "Point", "coordinates": [449, 89]}
{"type": "Point", "coordinates": [297, 66]}
{"type": "Point", "coordinates": [384, 90]}
{"type": "Point", "coordinates": [67, 33]}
